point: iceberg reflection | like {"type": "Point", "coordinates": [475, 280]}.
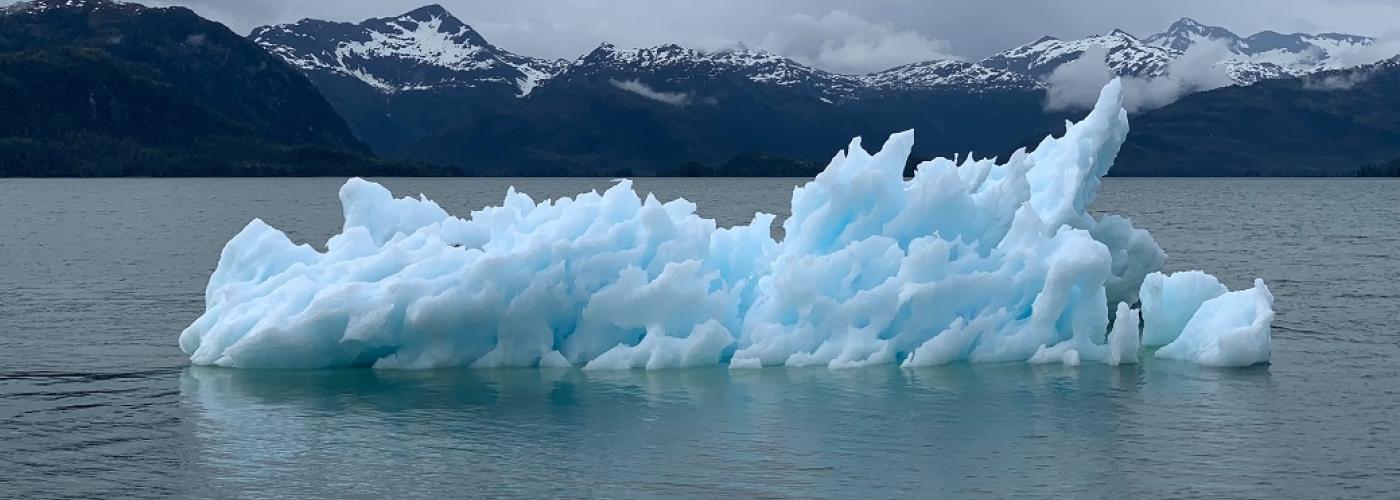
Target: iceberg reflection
{"type": "Point", "coordinates": [718, 432]}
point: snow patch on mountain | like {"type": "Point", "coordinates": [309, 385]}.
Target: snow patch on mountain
{"type": "Point", "coordinates": [949, 74]}
{"type": "Point", "coordinates": [428, 42]}
{"type": "Point", "coordinates": [1124, 53]}
{"type": "Point", "coordinates": [38, 6]}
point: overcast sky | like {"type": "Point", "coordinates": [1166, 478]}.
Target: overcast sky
{"type": "Point", "coordinates": [847, 36]}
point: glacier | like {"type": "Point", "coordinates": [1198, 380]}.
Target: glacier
{"type": "Point", "coordinates": [967, 261]}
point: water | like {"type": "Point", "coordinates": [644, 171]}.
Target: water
{"type": "Point", "coordinates": [98, 277]}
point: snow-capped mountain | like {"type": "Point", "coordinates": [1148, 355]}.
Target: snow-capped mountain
{"type": "Point", "coordinates": [424, 49]}
{"type": "Point", "coordinates": [1295, 54]}
{"type": "Point", "coordinates": [1126, 55]}
{"type": "Point", "coordinates": [430, 49]}
{"type": "Point", "coordinates": [673, 66]}
{"type": "Point", "coordinates": [426, 86]}
{"type": "Point", "coordinates": [1263, 56]}
{"type": "Point", "coordinates": [1187, 33]}
{"type": "Point", "coordinates": [686, 68]}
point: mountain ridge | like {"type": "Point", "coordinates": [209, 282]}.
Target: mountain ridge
{"type": "Point", "coordinates": [1261, 56]}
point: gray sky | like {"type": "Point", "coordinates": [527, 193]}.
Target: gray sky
{"type": "Point", "coordinates": [842, 36]}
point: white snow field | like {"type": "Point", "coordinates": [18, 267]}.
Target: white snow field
{"type": "Point", "coordinates": [978, 262]}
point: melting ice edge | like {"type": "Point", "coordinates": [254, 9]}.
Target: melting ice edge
{"type": "Point", "coordinates": [977, 262]}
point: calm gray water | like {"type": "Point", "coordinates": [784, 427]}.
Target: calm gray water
{"type": "Point", "coordinates": [98, 277]}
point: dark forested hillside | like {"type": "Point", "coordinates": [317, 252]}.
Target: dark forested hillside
{"type": "Point", "coordinates": [93, 87]}
{"type": "Point", "coordinates": [591, 127]}
{"type": "Point", "coordinates": [1387, 169]}
{"type": "Point", "coordinates": [1321, 125]}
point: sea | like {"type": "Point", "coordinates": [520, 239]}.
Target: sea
{"type": "Point", "coordinates": [98, 278]}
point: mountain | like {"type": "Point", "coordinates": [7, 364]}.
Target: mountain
{"type": "Point", "coordinates": [688, 68]}
{"type": "Point", "coordinates": [425, 49]}
{"type": "Point", "coordinates": [428, 49]}
{"type": "Point", "coordinates": [1126, 55]}
{"type": "Point", "coordinates": [426, 86]}
{"type": "Point", "coordinates": [1297, 54]}
{"type": "Point", "coordinates": [1268, 55]}
{"type": "Point", "coordinates": [95, 87]}
{"type": "Point", "coordinates": [1327, 123]}
{"type": "Point", "coordinates": [1186, 33]}
{"type": "Point", "coordinates": [650, 110]}
{"type": "Point", "coordinates": [1245, 60]}
{"type": "Point", "coordinates": [397, 80]}
{"type": "Point", "coordinates": [402, 85]}
{"type": "Point", "coordinates": [946, 74]}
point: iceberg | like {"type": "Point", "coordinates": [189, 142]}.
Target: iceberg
{"type": "Point", "coordinates": [1232, 329]}
{"type": "Point", "coordinates": [970, 261]}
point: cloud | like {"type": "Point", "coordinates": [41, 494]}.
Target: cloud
{"type": "Point", "coordinates": [846, 43]}
{"type": "Point", "coordinates": [1382, 48]}
{"type": "Point", "coordinates": [1075, 85]}
{"type": "Point", "coordinates": [1343, 80]}
{"type": "Point", "coordinates": [679, 99]}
